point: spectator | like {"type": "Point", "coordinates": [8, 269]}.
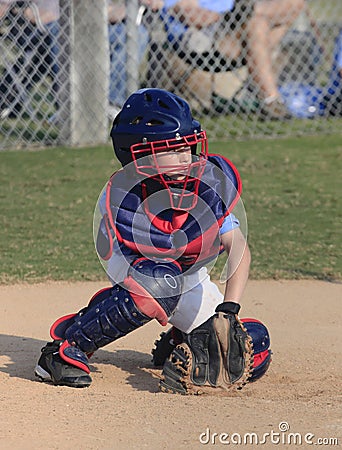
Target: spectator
{"type": "Point", "coordinates": [118, 55]}
{"type": "Point", "coordinates": [34, 29]}
{"type": "Point", "coordinates": [228, 28]}
{"type": "Point", "coordinates": [333, 98]}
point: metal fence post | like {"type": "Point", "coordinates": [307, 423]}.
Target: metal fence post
{"type": "Point", "coordinates": [132, 62]}
{"type": "Point", "coordinates": [64, 92]}
{"type": "Point", "coordinates": [89, 72]}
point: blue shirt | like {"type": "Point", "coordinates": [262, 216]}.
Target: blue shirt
{"type": "Point", "coordinates": [218, 6]}
{"type": "Point", "coordinates": [230, 223]}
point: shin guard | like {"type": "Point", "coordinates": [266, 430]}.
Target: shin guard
{"type": "Point", "coordinates": [111, 314]}
{"type": "Point", "coordinates": [153, 291]}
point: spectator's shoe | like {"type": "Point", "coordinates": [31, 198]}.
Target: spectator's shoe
{"type": "Point", "coordinates": [274, 108]}
{"type": "Point", "coordinates": [10, 112]}
{"type": "Point", "coordinates": [5, 113]}
{"type": "Point", "coordinates": [51, 367]}
{"type": "Point", "coordinates": [165, 346]}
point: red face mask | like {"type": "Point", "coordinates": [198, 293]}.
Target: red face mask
{"type": "Point", "coordinates": [177, 164]}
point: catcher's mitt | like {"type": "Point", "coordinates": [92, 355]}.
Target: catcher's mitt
{"type": "Point", "coordinates": [217, 354]}
{"type": "Point", "coordinates": [165, 345]}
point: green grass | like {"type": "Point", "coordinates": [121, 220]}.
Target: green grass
{"type": "Point", "coordinates": [291, 195]}
{"type": "Point", "coordinates": [47, 199]}
{"type": "Point", "coordinates": [292, 198]}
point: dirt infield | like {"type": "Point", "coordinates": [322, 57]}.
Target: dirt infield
{"type": "Point", "coordinates": [297, 403]}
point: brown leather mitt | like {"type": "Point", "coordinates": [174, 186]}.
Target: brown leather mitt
{"type": "Point", "coordinates": [215, 357]}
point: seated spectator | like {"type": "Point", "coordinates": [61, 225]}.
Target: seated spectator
{"type": "Point", "coordinates": [333, 99]}
{"type": "Point", "coordinates": [240, 32]}
{"type": "Point", "coordinates": [118, 54]}
{"type": "Point", "coordinates": [34, 30]}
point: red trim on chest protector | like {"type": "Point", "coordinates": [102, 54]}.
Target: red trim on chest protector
{"type": "Point", "coordinates": [198, 247]}
{"type": "Point", "coordinates": [238, 180]}
{"type": "Point", "coordinates": [178, 217]}
{"type": "Point", "coordinates": [108, 209]}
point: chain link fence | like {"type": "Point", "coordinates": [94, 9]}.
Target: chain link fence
{"type": "Point", "coordinates": [63, 81]}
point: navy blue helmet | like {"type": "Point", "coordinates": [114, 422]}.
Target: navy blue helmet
{"type": "Point", "coordinates": [154, 121]}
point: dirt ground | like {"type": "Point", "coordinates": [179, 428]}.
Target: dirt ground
{"type": "Point", "coordinates": [297, 404]}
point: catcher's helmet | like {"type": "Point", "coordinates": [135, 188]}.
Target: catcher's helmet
{"type": "Point", "coordinates": [154, 121]}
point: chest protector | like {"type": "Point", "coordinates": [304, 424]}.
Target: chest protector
{"type": "Point", "coordinates": [143, 223]}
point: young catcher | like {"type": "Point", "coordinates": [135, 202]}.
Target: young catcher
{"type": "Point", "coordinates": [165, 216]}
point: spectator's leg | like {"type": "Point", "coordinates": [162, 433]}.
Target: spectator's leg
{"type": "Point", "coordinates": [118, 60]}
{"type": "Point", "coordinates": [268, 24]}
{"type": "Point", "coordinates": [54, 30]}
{"type": "Point", "coordinates": [144, 39]}
{"type": "Point", "coordinates": [259, 56]}
{"type": "Point", "coordinates": [230, 46]}
{"type": "Point", "coordinates": [118, 57]}
{"type": "Point", "coordinates": [280, 12]}
{"type": "Point", "coordinates": [51, 61]}
{"type": "Point", "coordinates": [8, 92]}
{"type": "Point", "coordinates": [13, 84]}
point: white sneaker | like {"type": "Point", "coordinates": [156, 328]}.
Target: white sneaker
{"type": "Point", "coordinates": [5, 113]}
{"type": "Point", "coordinates": [274, 108]}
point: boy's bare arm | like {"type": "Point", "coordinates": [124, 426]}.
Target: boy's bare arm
{"type": "Point", "coordinates": [239, 259]}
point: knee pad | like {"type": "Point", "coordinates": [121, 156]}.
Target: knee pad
{"type": "Point", "coordinates": [155, 287]}
{"type": "Point", "coordinates": [261, 343]}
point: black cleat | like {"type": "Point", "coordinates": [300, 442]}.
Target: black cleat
{"type": "Point", "coordinates": [51, 367]}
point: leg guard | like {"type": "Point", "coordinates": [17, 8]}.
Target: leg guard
{"type": "Point", "coordinates": [261, 346]}
{"type": "Point", "coordinates": [111, 314]}
{"type": "Point", "coordinates": [154, 288]}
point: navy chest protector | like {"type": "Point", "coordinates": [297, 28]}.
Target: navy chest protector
{"type": "Point", "coordinates": [143, 223]}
